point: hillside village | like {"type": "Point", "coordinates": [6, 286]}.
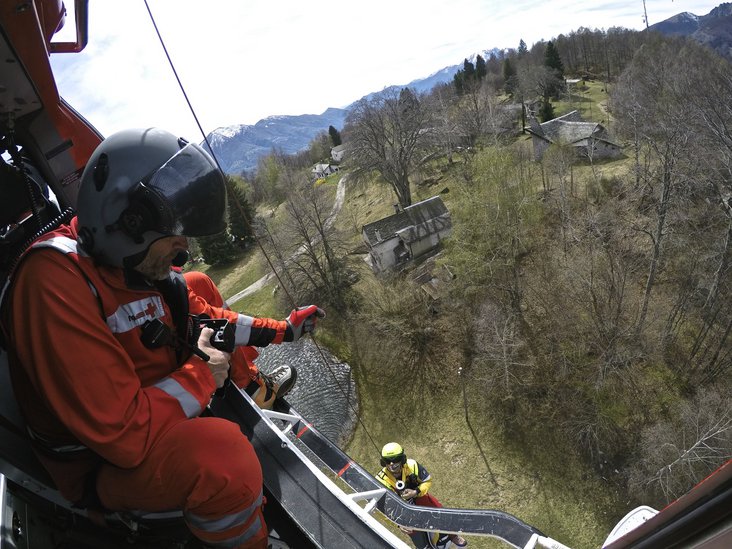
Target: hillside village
{"type": "Point", "coordinates": [521, 278]}
{"type": "Point", "coordinates": [537, 272]}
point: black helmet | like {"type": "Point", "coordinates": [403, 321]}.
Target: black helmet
{"type": "Point", "coordinates": [141, 185]}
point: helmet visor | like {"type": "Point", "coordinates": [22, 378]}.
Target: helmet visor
{"type": "Point", "coordinates": [192, 194]}
{"type": "Point", "coordinates": [390, 460]}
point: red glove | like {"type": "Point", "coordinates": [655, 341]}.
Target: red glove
{"type": "Point", "coordinates": [302, 321]}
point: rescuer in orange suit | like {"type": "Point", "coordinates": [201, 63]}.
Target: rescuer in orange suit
{"type": "Point", "coordinates": [263, 388]}
{"type": "Point", "coordinates": [101, 358]}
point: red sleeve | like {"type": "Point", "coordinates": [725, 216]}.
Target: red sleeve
{"type": "Point", "coordinates": [83, 373]}
{"type": "Point", "coordinates": [258, 332]}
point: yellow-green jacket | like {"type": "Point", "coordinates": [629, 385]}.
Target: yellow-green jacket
{"type": "Point", "coordinates": [413, 475]}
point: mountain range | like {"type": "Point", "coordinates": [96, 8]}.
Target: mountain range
{"type": "Point", "coordinates": [714, 29]}
{"type": "Point", "coordinates": [238, 148]}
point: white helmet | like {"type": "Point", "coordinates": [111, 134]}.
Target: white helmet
{"type": "Point", "coordinates": [141, 185]}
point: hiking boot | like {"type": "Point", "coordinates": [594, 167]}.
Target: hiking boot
{"type": "Point", "coordinates": [458, 541]}
{"type": "Point", "coordinates": [442, 542]}
{"type": "Point", "coordinates": [272, 386]}
{"type": "Point", "coordinates": [281, 380]}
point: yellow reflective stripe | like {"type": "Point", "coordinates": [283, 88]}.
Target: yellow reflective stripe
{"type": "Point", "coordinates": [187, 401]}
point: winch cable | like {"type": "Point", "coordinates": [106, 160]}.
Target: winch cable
{"type": "Point", "coordinates": [251, 230]}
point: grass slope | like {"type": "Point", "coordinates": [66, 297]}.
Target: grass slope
{"type": "Point", "coordinates": [473, 465]}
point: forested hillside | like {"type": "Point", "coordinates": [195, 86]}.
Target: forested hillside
{"type": "Point", "coordinates": [578, 349]}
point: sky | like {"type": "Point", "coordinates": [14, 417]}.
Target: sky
{"type": "Point", "coordinates": [243, 60]}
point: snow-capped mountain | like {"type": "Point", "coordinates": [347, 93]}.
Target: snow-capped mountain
{"type": "Point", "coordinates": [682, 24]}
{"type": "Point", "coordinates": [239, 147]}
{"type": "Point", "coordinates": [713, 29]}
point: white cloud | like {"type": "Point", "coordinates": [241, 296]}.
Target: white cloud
{"type": "Point", "coordinates": [241, 61]}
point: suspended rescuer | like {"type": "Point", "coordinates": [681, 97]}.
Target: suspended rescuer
{"type": "Point", "coordinates": [115, 414]}
{"type": "Point", "coordinates": [263, 388]}
{"type": "Point", "coordinates": [412, 482]}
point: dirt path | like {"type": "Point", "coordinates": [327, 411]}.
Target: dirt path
{"type": "Point", "coordinates": [262, 282]}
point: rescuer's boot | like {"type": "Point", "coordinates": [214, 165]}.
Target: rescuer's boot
{"type": "Point", "coordinates": [274, 385]}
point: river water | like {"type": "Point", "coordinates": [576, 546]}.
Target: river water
{"type": "Point", "coordinates": [325, 392]}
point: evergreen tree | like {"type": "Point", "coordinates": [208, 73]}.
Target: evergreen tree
{"type": "Point", "coordinates": [218, 248]}
{"type": "Point", "coordinates": [335, 136]}
{"type": "Point", "coordinates": [509, 76]}
{"type": "Point", "coordinates": [546, 112]}
{"type": "Point", "coordinates": [459, 81]}
{"type": "Point", "coordinates": [227, 245]}
{"type": "Point", "coordinates": [466, 76]}
{"type": "Point", "coordinates": [552, 59]}
{"type": "Point", "coordinates": [408, 102]}
{"type": "Point", "coordinates": [522, 49]}
{"type": "Point", "coordinates": [554, 63]}
{"type": "Point", "coordinates": [480, 68]}
{"type": "Point", "coordinates": [241, 213]}
{"type": "Point", "coordinates": [469, 70]}
{"type": "Point", "coordinates": [493, 65]}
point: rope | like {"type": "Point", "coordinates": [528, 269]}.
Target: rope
{"type": "Point", "coordinates": [249, 226]}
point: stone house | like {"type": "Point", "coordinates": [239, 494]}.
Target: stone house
{"type": "Point", "coordinates": [590, 139]}
{"type": "Point", "coordinates": [337, 153]}
{"type": "Point", "coordinates": [409, 233]}
{"type": "Point", "coordinates": [323, 170]}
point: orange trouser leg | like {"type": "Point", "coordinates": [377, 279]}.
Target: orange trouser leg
{"type": "Point", "coordinates": [243, 370]}
{"type": "Point", "coordinates": [205, 467]}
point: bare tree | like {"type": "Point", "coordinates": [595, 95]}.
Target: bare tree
{"type": "Point", "coordinates": [414, 343]}
{"type": "Point", "coordinates": [277, 252]}
{"type": "Point", "coordinates": [317, 265]}
{"type": "Point", "coordinates": [389, 134]}
{"type": "Point", "coordinates": [682, 451]}
{"type": "Point", "coordinates": [711, 116]}
{"type": "Point", "coordinates": [498, 360]}
{"type": "Point", "coordinates": [599, 51]}
{"type": "Point", "coordinates": [479, 113]}
{"type": "Point", "coordinates": [683, 131]}
{"type": "Point", "coordinates": [558, 161]}
{"type": "Point", "coordinates": [447, 134]}
{"type": "Point", "coordinates": [648, 101]}
{"type": "Point", "coordinates": [605, 277]}
{"type": "Point", "coordinates": [536, 80]}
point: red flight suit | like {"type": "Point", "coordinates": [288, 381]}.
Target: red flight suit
{"type": "Point", "coordinates": [103, 407]}
{"type": "Point", "coordinates": [243, 370]}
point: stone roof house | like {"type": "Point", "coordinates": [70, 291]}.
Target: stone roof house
{"type": "Point", "coordinates": [590, 139]}
{"type": "Point", "coordinates": [408, 234]}
{"type": "Point", "coordinates": [337, 153]}
{"type": "Point", "coordinates": [323, 170]}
